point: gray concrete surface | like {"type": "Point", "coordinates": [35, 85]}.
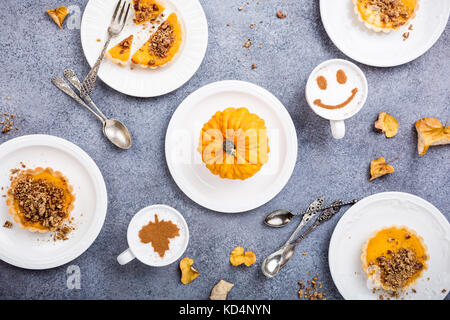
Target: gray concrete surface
{"type": "Point", "coordinates": [34, 51]}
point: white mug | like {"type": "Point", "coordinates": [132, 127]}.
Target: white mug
{"type": "Point", "coordinates": [355, 79]}
{"type": "Point", "coordinates": [144, 251]}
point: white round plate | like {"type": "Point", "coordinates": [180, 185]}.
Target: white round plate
{"type": "Point", "coordinates": [137, 81]}
{"type": "Point", "coordinates": [384, 210]}
{"type": "Point", "coordinates": [381, 49]}
{"type": "Point", "coordinates": [28, 250]}
{"type": "Point", "coordinates": [185, 163]}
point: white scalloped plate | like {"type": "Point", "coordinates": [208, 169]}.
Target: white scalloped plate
{"type": "Point", "coordinates": [381, 49]}
{"type": "Point", "coordinates": [137, 81]}
{"type": "Point", "coordinates": [190, 173]}
{"type": "Point", "coordinates": [384, 210]}
{"type": "Point", "coordinates": [28, 250]}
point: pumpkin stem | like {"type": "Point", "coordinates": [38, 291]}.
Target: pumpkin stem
{"type": "Point", "coordinates": [229, 147]}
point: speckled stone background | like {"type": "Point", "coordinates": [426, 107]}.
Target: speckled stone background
{"type": "Point", "coordinates": [34, 51]}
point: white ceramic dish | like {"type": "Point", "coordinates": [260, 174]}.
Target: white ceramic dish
{"type": "Point", "coordinates": [185, 163]}
{"type": "Point", "coordinates": [141, 82]}
{"type": "Point", "coordinates": [39, 251]}
{"type": "Point", "coordinates": [384, 210]}
{"type": "Point", "coordinates": [378, 48]}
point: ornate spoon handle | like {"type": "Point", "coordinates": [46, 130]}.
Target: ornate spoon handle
{"type": "Point", "coordinates": [70, 75]}
{"type": "Point", "coordinates": [309, 214]}
{"type": "Point", "coordinates": [64, 87]}
{"type": "Point", "coordinates": [326, 215]}
{"type": "Point", "coordinates": [331, 206]}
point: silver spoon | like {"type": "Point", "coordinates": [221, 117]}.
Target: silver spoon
{"type": "Point", "coordinates": [272, 264]}
{"type": "Point", "coordinates": [279, 218]}
{"type": "Point", "coordinates": [114, 130]}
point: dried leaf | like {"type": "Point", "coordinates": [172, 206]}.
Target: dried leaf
{"type": "Point", "coordinates": [379, 168]}
{"type": "Point", "coordinates": [431, 132]}
{"type": "Point", "coordinates": [188, 272]}
{"type": "Point", "coordinates": [238, 256]}
{"type": "Point", "coordinates": [58, 15]}
{"type": "Point", "coordinates": [221, 290]}
{"type": "Point", "coordinates": [387, 123]}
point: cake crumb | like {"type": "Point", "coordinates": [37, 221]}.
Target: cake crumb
{"type": "Point", "coordinates": [8, 224]}
{"type": "Point", "coordinates": [405, 36]}
{"type": "Point", "coordinates": [281, 14]}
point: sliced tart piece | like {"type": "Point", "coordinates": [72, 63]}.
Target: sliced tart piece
{"type": "Point", "coordinates": [162, 46]}
{"type": "Point", "coordinates": [146, 10]}
{"type": "Point", "coordinates": [40, 199]}
{"type": "Point", "coordinates": [120, 53]}
{"type": "Point", "coordinates": [394, 258]}
{"type": "Point", "coordinates": [385, 15]}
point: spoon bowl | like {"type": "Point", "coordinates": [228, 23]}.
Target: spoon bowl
{"type": "Point", "coordinates": [272, 264]}
{"type": "Point", "coordinates": [117, 133]}
{"type": "Point", "coordinates": [278, 218]}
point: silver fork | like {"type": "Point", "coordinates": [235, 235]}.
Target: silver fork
{"type": "Point", "coordinates": [115, 27]}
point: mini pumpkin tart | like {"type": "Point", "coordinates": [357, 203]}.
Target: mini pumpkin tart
{"type": "Point", "coordinates": [40, 199]}
{"type": "Point", "coordinates": [385, 15]}
{"type": "Point", "coordinates": [146, 10]}
{"type": "Point", "coordinates": [120, 53]}
{"type": "Point", "coordinates": [162, 46]}
{"type": "Point", "coordinates": [234, 144]}
{"type": "Point", "coordinates": [394, 258]}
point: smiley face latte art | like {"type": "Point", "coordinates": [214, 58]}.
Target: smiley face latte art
{"type": "Point", "coordinates": [336, 86]}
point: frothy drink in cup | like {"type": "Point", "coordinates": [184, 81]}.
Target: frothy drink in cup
{"type": "Point", "coordinates": [157, 236]}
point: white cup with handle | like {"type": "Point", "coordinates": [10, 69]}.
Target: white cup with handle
{"type": "Point", "coordinates": [336, 90]}
{"type": "Point", "coordinates": [145, 252]}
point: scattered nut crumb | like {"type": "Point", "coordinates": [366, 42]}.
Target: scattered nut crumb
{"type": "Point", "coordinates": [8, 224]}
{"type": "Point", "coordinates": [309, 291]}
{"type": "Point", "coordinates": [405, 36]}
{"type": "Point", "coordinates": [410, 27]}
{"type": "Point", "coordinates": [281, 14]}
{"type": "Point", "coordinates": [444, 291]}
{"type": "Point", "coordinates": [254, 66]}
{"type": "Point", "coordinates": [241, 8]}
{"type": "Point", "coordinates": [248, 44]}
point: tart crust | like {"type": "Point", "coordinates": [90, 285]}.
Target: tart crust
{"type": "Point", "coordinates": [373, 271]}
{"type": "Point", "coordinates": [385, 29]}
{"type": "Point", "coordinates": [46, 174]}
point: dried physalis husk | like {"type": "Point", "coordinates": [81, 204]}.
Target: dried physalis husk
{"type": "Point", "coordinates": [58, 15]}
{"type": "Point", "coordinates": [188, 272]}
{"type": "Point", "coordinates": [379, 168]}
{"type": "Point", "coordinates": [387, 123]}
{"type": "Point", "coordinates": [431, 132]}
{"type": "Point", "coordinates": [238, 256]}
{"type": "Point", "coordinates": [221, 290]}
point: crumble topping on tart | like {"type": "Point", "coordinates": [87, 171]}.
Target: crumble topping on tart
{"type": "Point", "coordinates": [120, 53]}
{"type": "Point", "coordinates": [394, 258]}
{"type": "Point", "coordinates": [385, 15]}
{"type": "Point", "coordinates": [146, 10]}
{"type": "Point", "coordinates": [162, 46]}
{"type": "Point", "coordinates": [40, 199]}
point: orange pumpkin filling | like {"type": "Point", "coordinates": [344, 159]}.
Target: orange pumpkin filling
{"type": "Point", "coordinates": [40, 199]}
{"type": "Point", "coordinates": [394, 258]}
{"type": "Point", "coordinates": [162, 46]}
{"type": "Point", "coordinates": [120, 53]}
{"type": "Point", "coordinates": [386, 14]}
{"type": "Point", "coordinates": [146, 10]}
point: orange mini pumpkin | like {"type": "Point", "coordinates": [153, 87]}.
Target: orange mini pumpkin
{"type": "Point", "coordinates": [234, 144]}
